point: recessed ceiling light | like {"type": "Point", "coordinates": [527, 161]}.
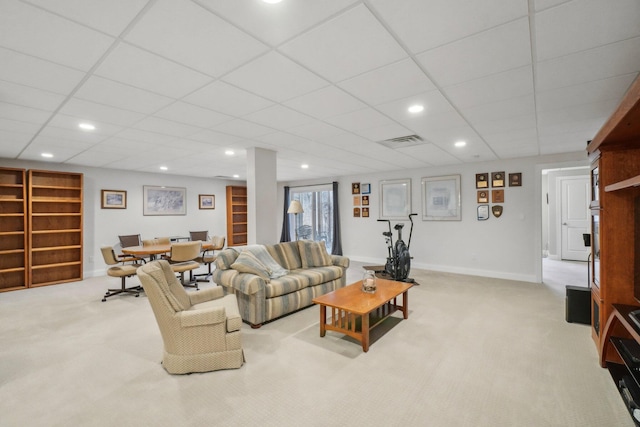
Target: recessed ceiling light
{"type": "Point", "coordinates": [272, 1]}
{"type": "Point", "coordinates": [47, 155]}
{"type": "Point", "coordinates": [416, 108]}
{"type": "Point", "coordinates": [86, 126]}
{"type": "Point", "coordinates": [460, 143]}
{"type": "Point", "coordinates": [236, 176]}
{"type": "Point", "coordinates": [304, 166]}
{"type": "Point", "coordinates": [229, 153]}
{"type": "Point", "coordinates": [164, 168]}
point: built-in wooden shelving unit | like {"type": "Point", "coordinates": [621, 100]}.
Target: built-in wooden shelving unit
{"type": "Point", "coordinates": [13, 230]}
{"type": "Point", "coordinates": [236, 216]}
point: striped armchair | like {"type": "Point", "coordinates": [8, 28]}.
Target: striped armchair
{"type": "Point", "coordinates": [200, 330]}
{"type": "Point", "coordinates": [263, 296]}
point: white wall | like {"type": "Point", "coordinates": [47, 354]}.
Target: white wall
{"type": "Point", "coordinates": [102, 226]}
{"type": "Point", "coordinates": [505, 247]}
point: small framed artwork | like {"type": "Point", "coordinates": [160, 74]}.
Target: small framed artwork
{"type": "Point", "coordinates": [483, 212]}
{"type": "Point", "coordinates": [356, 212]}
{"type": "Point", "coordinates": [365, 212]}
{"type": "Point", "coordinates": [355, 188]}
{"type": "Point", "coordinates": [515, 179]}
{"type": "Point", "coordinates": [356, 200]}
{"type": "Point", "coordinates": [164, 200]}
{"type": "Point", "coordinates": [365, 188]}
{"type": "Point", "coordinates": [365, 200]}
{"type": "Point", "coordinates": [441, 198]}
{"type": "Point", "coordinates": [497, 196]}
{"type": "Point", "coordinates": [497, 179]}
{"type": "Point", "coordinates": [207, 201]}
{"type": "Point", "coordinates": [395, 199]}
{"type": "Point", "coordinates": [114, 199]}
{"type": "Point", "coordinates": [483, 196]}
{"type": "Point", "coordinates": [482, 180]}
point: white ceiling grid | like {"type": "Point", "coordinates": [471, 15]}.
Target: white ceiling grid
{"type": "Point", "coordinates": [177, 83]}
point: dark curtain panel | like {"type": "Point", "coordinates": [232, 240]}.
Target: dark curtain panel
{"type": "Point", "coordinates": [336, 249]}
{"type": "Point", "coordinates": [285, 236]}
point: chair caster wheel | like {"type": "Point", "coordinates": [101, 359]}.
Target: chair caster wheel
{"type": "Point", "coordinates": [137, 295]}
{"type": "Point", "coordinates": [104, 299]}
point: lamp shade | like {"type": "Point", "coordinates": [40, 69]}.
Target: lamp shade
{"type": "Point", "coordinates": [295, 207]}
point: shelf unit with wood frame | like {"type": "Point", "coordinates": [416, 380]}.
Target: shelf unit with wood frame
{"type": "Point", "coordinates": [236, 216]}
{"type": "Point", "coordinates": [14, 272]}
{"type": "Point", "coordinates": [55, 227]}
{"type": "Point", "coordinates": [615, 208]}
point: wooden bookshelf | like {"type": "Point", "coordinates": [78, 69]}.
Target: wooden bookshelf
{"type": "Point", "coordinates": [14, 273]}
{"type": "Point", "coordinates": [55, 227]}
{"type": "Point", "coordinates": [236, 216]}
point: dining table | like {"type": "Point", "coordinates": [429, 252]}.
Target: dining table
{"type": "Point", "coordinates": [158, 249]}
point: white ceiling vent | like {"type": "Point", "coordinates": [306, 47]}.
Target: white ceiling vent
{"type": "Point", "coordinates": [403, 141]}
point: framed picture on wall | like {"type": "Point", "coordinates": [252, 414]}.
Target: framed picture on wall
{"type": "Point", "coordinates": [206, 201]}
{"type": "Point", "coordinates": [114, 199]}
{"type": "Point", "coordinates": [395, 199]}
{"type": "Point", "coordinates": [441, 198]}
{"type": "Point", "coordinates": [164, 200]}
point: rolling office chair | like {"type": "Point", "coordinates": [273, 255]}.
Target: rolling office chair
{"type": "Point", "coordinates": [183, 258]}
{"type": "Point", "coordinates": [207, 258]}
{"type": "Point", "coordinates": [127, 241]}
{"type": "Point", "coordinates": [119, 269]}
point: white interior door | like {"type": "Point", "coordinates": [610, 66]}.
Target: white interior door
{"type": "Point", "coordinates": [574, 196]}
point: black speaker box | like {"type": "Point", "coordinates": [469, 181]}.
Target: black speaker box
{"type": "Point", "coordinates": [578, 305]}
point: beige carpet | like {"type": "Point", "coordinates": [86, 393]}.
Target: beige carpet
{"type": "Point", "coordinates": [474, 352]}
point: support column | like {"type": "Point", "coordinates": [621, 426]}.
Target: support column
{"type": "Point", "coordinates": [262, 195]}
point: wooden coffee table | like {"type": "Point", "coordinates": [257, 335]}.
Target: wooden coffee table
{"type": "Point", "coordinates": [355, 313]}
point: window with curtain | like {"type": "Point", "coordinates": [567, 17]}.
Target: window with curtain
{"type": "Point", "coordinates": [316, 222]}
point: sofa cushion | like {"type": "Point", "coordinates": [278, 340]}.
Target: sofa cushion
{"type": "Point", "coordinates": [225, 258]}
{"type": "Point", "coordinates": [286, 254]}
{"type": "Point", "coordinates": [248, 263]}
{"type": "Point", "coordinates": [300, 279]}
{"type": "Point", "coordinates": [313, 254]}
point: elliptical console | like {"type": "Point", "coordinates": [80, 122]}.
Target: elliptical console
{"type": "Point", "coordinates": [398, 263]}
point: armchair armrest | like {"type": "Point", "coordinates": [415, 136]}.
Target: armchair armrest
{"type": "Point", "coordinates": [245, 283]}
{"type": "Point", "coordinates": [340, 261]}
{"type": "Point", "coordinates": [206, 295]}
{"type": "Point", "coordinates": [203, 316]}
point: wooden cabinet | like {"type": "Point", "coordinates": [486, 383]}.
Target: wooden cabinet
{"type": "Point", "coordinates": [14, 273]}
{"type": "Point", "coordinates": [615, 211]}
{"type": "Point", "coordinates": [236, 216]}
{"type": "Point", "coordinates": [55, 227]}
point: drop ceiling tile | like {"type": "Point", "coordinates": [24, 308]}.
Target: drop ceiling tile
{"type": "Point", "coordinates": [345, 46]}
{"type": "Point", "coordinates": [19, 127]}
{"type": "Point", "coordinates": [166, 127]}
{"type": "Point", "coordinates": [388, 131]}
{"type": "Point", "coordinates": [546, 4]}
{"type": "Point", "coordinates": [279, 117]}
{"type": "Point", "coordinates": [511, 107]}
{"type": "Point", "coordinates": [119, 95]}
{"type": "Point", "coordinates": [120, 145]}
{"type": "Point", "coordinates": [136, 67]}
{"type": "Point", "coordinates": [279, 140]}
{"type": "Point", "coordinates": [494, 88]}
{"type": "Point", "coordinates": [223, 97]}
{"type": "Point", "coordinates": [423, 25]}
{"type": "Point", "coordinates": [243, 129]}
{"type": "Point", "coordinates": [275, 77]}
{"type": "Point", "coordinates": [63, 126]}
{"type": "Point", "coordinates": [37, 73]}
{"type": "Point", "coordinates": [111, 17]}
{"type": "Point", "coordinates": [584, 93]}
{"type": "Point", "coordinates": [517, 149]}
{"type": "Point", "coordinates": [96, 158]}
{"type": "Point", "coordinates": [590, 26]}
{"type": "Point", "coordinates": [360, 120]}
{"type": "Point", "coordinates": [26, 96]}
{"type": "Point", "coordinates": [389, 83]}
{"type": "Point", "coordinates": [430, 154]}
{"type": "Point", "coordinates": [192, 115]}
{"type": "Point", "coordinates": [191, 35]}
{"type": "Point", "coordinates": [492, 51]}
{"type": "Point", "coordinates": [326, 102]}
{"type": "Point", "coordinates": [600, 63]}
{"type": "Point", "coordinates": [276, 23]}
{"type": "Point", "coordinates": [428, 123]}
{"type": "Point", "coordinates": [31, 30]}
{"type": "Point", "coordinates": [514, 138]}
{"type": "Point", "coordinates": [433, 102]}
{"type": "Point", "coordinates": [317, 131]}
{"type": "Point", "coordinates": [218, 138]}
{"type": "Point", "coordinates": [92, 112]}
{"type": "Point", "coordinates": [60, 154]}
{"type": "Point", "coordinates": [569, 142]}
{"type": "Point", "coordinates": [144, 136]}
{"type": "Point", "coordinates": [23, 114]}
{"type": "Point", "coordinates": [506, 124]}
{"type": "Point", "coordinates": [11, 144]}
{"type": "Point", "coordinates": [576, 117]}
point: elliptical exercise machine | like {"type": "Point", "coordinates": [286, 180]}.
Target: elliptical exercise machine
{"type": "Point", "coordinates": [399, 259]}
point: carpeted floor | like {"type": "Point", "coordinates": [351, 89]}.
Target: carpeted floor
{"type": "Point", "coordinates": [474, 352]}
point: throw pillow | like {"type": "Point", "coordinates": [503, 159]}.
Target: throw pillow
{"type": "Point", "coordinates": [225, 258]}
{"type": "Point", "coordinates": [313, 254]}
{"type": "Point", "coordinates": [248, 263]}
